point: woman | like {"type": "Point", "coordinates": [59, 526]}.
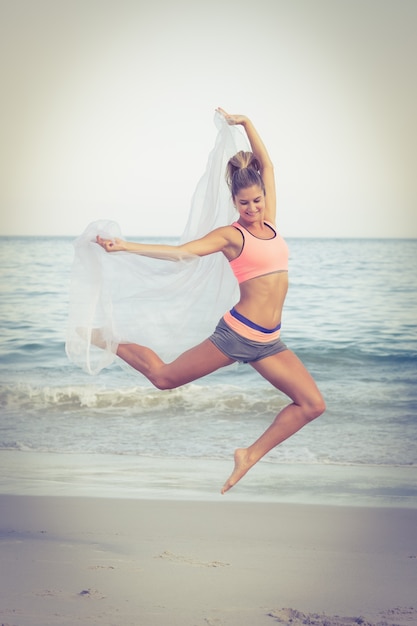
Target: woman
{"type": "Point", "coordinates": [249, 332]}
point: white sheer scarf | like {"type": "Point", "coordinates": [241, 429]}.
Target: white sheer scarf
{"type": "Point", "coordinates": [168, 306]}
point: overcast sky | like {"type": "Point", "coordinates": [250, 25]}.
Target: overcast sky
{"type": "Point", "coordinates": [108, 105]}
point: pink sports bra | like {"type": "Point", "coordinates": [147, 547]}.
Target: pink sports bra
{"type": "Point", "coordinates": [259, 256]}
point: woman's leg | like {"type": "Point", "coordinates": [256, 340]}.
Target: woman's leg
{"type": "Point", "coordinates": [191, 365]}
{"type": "Point", "coordinates": [286, 372]}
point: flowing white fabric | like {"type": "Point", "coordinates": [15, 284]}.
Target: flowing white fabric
{"type": "Point", "coordinates": [168, 306]}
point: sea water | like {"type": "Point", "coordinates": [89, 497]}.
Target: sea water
{"type": "Point", "coordinates": [350, 315]}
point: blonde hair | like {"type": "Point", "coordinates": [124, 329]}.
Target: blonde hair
{"type": "Point", "coordinates": [243, 171]}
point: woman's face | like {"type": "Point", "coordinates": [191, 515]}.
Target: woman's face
{"type": "Point", "coordinates": [250, 203]}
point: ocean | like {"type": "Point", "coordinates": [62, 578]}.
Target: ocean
{"type": "Point", "coordinates": [350, 315]}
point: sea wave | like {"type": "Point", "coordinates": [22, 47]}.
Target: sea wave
{"type": "Point", "coordinates": [195, 421]}
{"type": "Point", "coordinates": [192, 397]}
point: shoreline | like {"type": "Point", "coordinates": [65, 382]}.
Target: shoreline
{"type": "Point", "coordinates": [200, 479]}
{"type": "Point", "coordinates": [126, 562]}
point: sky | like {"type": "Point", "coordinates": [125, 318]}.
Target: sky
{"type": "Point", "coordinates": [108, 107]}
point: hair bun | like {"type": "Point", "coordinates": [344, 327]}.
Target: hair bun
{"type": "Point", "coordinates": [243, 170]}
{"type": "Point", "coordinates": [242, 160]}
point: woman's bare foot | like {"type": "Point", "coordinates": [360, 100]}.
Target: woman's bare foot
{"type": "Point", "coordinates": [242, 465]}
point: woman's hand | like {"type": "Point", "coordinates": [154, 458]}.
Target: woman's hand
{"type": "Point", "coordinates": [232, 120]}
{"type": "Point", "coordinates": [111, 245]}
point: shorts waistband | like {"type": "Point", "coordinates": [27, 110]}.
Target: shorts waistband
{"type": "Point", "coordinates": [250, 331]}
{"type": "Point", "coordinates": [251, 324]}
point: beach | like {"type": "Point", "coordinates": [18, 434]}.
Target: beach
{"type": "Point", "coordinates": [110, 505]}
{"type": "Point", "coordinates": [70, 560]}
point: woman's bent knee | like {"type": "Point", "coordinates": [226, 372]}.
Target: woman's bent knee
{"type": "Point", "coordinates": [162, 382]}
{"type": "Point", "coordinates": [164, 378]}
{"type": "Point", "coordinates": [314, 408]}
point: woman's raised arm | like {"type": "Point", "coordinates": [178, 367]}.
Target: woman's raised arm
{"type": "Point", "coordinates": [261, 153]}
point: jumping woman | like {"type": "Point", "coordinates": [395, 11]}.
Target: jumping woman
{"type": "Point", "coordinates": [250, 331]}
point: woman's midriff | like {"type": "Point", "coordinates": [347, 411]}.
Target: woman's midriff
{"type": "Point", "coordinates": [261, 301]}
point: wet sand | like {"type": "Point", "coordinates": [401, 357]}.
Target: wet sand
{"type": "Point", "coordinates": [120, 562]}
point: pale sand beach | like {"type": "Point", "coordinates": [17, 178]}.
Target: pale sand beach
{"type": "Point", "coordinates": [116, 562]}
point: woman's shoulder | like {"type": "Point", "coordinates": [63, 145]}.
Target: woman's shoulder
{"type": "Point", "coordinates": [228, 231]}
{"type": "Point", "coordinates": [232, 239]}
{"type": "Point", "coordinates": [223, 235]}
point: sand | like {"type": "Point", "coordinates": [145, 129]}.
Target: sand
{"type": "Point", "coordinates": [116, 562]}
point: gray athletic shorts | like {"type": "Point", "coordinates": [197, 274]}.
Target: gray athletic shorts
{"type": "Point", "coordinates": [241, 349]}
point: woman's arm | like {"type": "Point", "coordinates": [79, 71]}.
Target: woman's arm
{"type": "Point", "coordinates": [257, 145]}
{"type": "Point", "coordinates": [217, 240]}
{"type": "Point", "coordinates": [261, 153]}
{"type": "Point", "coordinates": [156, 251]}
